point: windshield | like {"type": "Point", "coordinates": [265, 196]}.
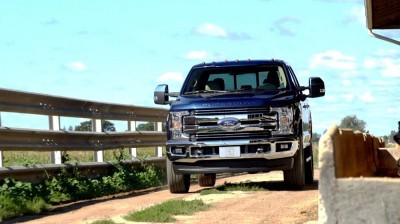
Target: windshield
{"type": "Point", "coordinates": [233, 79]}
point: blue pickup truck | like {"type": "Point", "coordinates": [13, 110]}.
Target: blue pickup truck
{"type": "Point", "coordinates": [239, 116]}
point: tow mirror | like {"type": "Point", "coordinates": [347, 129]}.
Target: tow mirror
{"type": "Point", "coordinates": [317, 87]}
{"type": "Point", "coordinates": [161, 95]}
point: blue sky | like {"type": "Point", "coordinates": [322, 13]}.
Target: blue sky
{"type": "Point", "coordinates": [118, 51]}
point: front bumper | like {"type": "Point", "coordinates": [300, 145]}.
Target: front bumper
{"type": "Point", "coordinates": [255, 155]}
{"type": "Point", "coordinates": [233, 165]}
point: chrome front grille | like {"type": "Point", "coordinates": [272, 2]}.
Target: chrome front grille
{"type": "Point", "coordinates": [251, 123]}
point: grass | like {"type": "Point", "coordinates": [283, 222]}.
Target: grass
{"type": "Point", "coordinates": [20, 198]}
{"type": "Point", "coordinates": [232, 187]}
{"type": "Point", "coordinates": [315, 154]}
{"type": "Point", "coordinates": [165, 211]}
{"type": "Point", "coordinates": [17, 206]}
{"type": "Point", "coordinates": [25, 158]}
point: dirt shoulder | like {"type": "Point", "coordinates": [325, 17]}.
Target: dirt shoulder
{"type": "Point", "coordinates": [277, 204]}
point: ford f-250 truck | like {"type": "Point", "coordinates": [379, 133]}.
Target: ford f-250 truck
{"type": "Point", "coordinates": [239, 116]}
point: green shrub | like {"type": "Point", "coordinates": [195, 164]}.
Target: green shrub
{"type": "Point", "coordinates": [18, 198]}
{"type": "Point", "coordinates": [11, 206]}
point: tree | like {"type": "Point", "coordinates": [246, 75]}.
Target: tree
{"type": "Point", "coordinates": [353, 123]}
{"type": "Point", "coordinates": [148, 126]}
{"type": "Point", "coordinates": [389, 138]}
{"type": "Point", "coordinates": [87, 126]}
{"type": "Point", "coordinates": [315, 137]}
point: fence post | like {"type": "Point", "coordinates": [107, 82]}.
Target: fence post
{"type": "Point", "coordinates": [159, 148]}
{"type": "Point", "coordinates": [1, 152]}
{"type": "Point", "coordinates": [132, 127]}
{"type": "Point", "coordinates": [1, 158]}
{"type": "Point", "coordinates": [54, 125]}
{"type": "Point", "coordinates": [96, 127]}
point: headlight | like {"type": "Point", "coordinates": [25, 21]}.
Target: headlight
{"type": "Point", "coordinates": [175, 125]}
{"type": "Point", "coordinates": [285, 120]}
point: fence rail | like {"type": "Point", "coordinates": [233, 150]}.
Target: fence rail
{"type": "Point", "coordinates": [12, 139]}
{"type": "Point", "coordinates": [56, 140]}
{"type": "Point", "coordinates": [33, 103]}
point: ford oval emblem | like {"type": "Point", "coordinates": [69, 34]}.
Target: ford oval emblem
{"type": "Point", "coordinates": [228, 123]}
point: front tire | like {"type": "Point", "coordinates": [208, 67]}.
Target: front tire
{"type": "Point", "coordinates": [309, 165]}
{"type": "Point", "coordinates": [178, 183]}
{"type": "Point", "coordinates": [296, 176]}
{"type": "Point", "coordinates": [207, 179]}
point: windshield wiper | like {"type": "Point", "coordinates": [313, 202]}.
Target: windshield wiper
{"type": "Point", "coordinates": [204, 91]}
{"type": "Point", "coordinates": [241, 90]}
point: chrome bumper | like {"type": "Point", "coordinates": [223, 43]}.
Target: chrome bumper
{"type": "Point", "coordinates": [188, 157]}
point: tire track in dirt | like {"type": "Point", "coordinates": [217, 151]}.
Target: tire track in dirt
{"type": "Point", "coordinates": [278, 204]}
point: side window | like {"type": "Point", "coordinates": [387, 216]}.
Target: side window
{"type": "Point", "coordinates": [273, 79]}
{"type": "Point", "coordinates": [282, 78]}
{"type": "Point", "coordinates": [293, 77]}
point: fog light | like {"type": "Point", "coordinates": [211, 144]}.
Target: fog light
{"type": "Point", "coordinates": [281, 147]}
{"type": "Point", "coordinates": [199, 152]}
{"type": "Point", "coordinates": [178, 150]}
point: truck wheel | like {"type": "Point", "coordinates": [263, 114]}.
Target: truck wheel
{"type": "Point", "coordinates": [295, 177]}
{"type": "Point", "coordinates": [309, 165]}
{"type": "Point", "coordinates": [207, 179]}
{"type": "Point", "coordinates": [178, 183]}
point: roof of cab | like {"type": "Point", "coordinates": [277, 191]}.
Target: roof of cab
{"type": "Point", "coordinates": [239, 63]}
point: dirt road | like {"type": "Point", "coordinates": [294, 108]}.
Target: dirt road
{"type": "Point", "coordinates": [278, 204]}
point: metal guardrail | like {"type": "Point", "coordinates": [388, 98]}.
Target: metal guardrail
{"type": "Point", "coordinates": [56, 140]}
{"type": "Point", "coordinates": [33, 103]}
{"type": "Point", "coordinates": [13, 139]}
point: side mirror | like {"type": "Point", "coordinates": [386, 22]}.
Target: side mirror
{"type": "Point", "coordinates": [317, 87]}
{"type": "Point", "coordinates": [161, 95]}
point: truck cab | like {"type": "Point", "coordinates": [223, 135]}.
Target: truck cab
{"type": "Point", "coordinates": [239, 116]}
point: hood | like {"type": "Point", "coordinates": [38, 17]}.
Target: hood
{"type": "Point", "coordinates": [230, 101]}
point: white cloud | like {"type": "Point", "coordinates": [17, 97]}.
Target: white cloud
{"type": "Point", "coordinates": [393, 110]}
{"type": "Point", "coordinates": [370, 63]}
{"type": "Point", "coordinates": [355, 14]}
{"type": "Point", "coordinates": [330, 99]}
{"type": "Point", "coordinates": [282, 27]}
{"type": "Point", "coordinates": [391, 68]}
{"type": "Point", "coordinates": [367, 97]}
{"type": "Point", "coordinates": [209, 29]}
{"type": "Point", "coordinates": [351, 74]}
{"type": "Point", "coordinates": [212, 30]}
{"type": "Point", "coordinates": [387, 53]}
{"type": "Point", "coordinates": [349, 97]}
{"type": "Point", "coordinates": [346, 82]}
{"type": "Point", "coordinates": [387, 61]}
{"type": "Point", "coordinates": [333, 59]}
{"type": "Point", "coordinates": [76, 66]}
{"type": "Point", "coordinates": [171, 76]}
{"type": "Point", "coordinates": [196, 55]}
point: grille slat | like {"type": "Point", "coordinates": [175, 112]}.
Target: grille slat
{"type": "Point", "coordinates": [255, 123]}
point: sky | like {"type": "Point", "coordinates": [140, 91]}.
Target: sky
{"type": "Point", "coordinates": [118, 51]}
